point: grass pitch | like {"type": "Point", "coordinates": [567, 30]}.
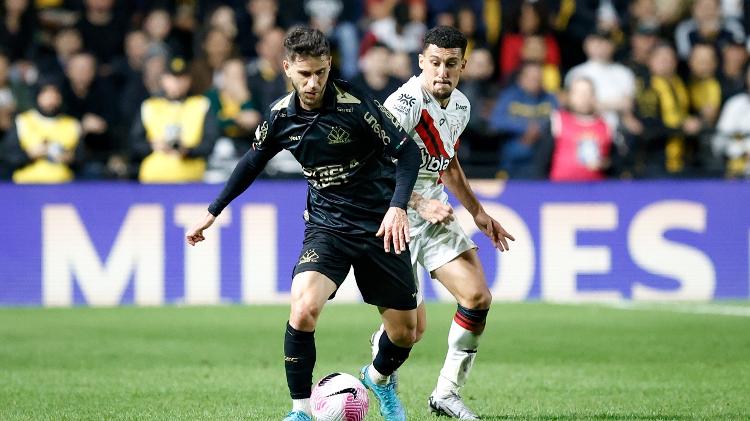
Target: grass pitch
{"type": "Point", "coordinates": [537, 361]}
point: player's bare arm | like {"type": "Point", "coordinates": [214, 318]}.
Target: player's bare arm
{"type": "Point", "coordinates": [455, 180]}
{"type": "Point", "coordinates": [195, 235]}
{"type": "Point", "coordinates": [431, 210]}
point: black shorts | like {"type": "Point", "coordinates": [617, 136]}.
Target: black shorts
{"type": "Point", "coordinates": [384, 279]}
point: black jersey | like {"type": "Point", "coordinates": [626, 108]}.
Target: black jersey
{"type": "Point", "coordinates": [346, 148]}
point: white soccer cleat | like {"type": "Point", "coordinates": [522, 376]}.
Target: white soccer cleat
{"type": "Point", "coordinates": [452, 406]}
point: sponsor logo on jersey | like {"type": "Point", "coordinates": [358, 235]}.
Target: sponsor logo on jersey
{"type": "Point", "coordinates": [433, 163]}
{"type": "Point", "coordinates": [407, 100]}
{"type": "Point", "coordinates": [373, 122]}
{"type": "Point", "coordinates": [461, 107]}
{"type": "Point", "coordinates": [344, 110]}
{"type": "Point", "coordinates": [330, 175]}
{"type": "Point", "coordinates": [299, 137]}
{"type": "Point", "coordinates": [260, 134]}
{"type": "Point", "coordinates": [309, 256]}
{"type": "Point", "coordinates": [338, 136]}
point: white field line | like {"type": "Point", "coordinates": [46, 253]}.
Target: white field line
{"type": "Point", "coordinates": [697, 308]}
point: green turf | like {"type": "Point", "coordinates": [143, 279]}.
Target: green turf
{"type": "Point", "coordinates": [537, 361]}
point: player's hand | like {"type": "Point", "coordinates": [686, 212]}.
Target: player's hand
{"type": "Point", "coordinates": [195, 235]}
{"type": "Point", "coordinates": [493, 230]}
{"type": "Point", "coordinates": [395, 228]}
{"type": "Point", "coordinates": [435, 211]}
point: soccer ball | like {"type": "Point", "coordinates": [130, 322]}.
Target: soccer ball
{"type": "Point", "coordinates": [339, 397]}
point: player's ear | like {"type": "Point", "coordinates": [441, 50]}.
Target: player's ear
{"type": "Point", "coordinates": [463, 64]}
{"type": "Point", "coordinates": [421, 61]}
{"type": "Point", "coordinates": [287, 67]}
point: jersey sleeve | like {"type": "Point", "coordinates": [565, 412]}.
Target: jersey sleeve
{"type": "Point", "coordinates": [406, 107]}
{"type": "Point", "coordinates": [250, 166]}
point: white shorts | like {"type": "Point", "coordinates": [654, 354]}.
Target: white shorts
{"type": "Point", "coordinates": [437, 245]}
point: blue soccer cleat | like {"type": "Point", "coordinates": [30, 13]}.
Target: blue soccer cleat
{"type": "Point", "coordinates": [390, 406]}
{"type": "Point", "coordinates": [297, 416]}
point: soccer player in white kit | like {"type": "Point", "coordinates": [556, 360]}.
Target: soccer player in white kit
{"type": "Point", "coordinates": [435, 113]}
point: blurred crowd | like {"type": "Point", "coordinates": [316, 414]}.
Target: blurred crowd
{"type": "Point", "coordinates": [172, 91]}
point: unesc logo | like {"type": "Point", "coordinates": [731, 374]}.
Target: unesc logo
{"type": "Point", "coordinates": [338, 136]}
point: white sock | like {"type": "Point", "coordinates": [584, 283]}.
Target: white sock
{"type": "Point", "coordinates": [462, 349]}
{"type": "Point", "coordinates": [302, 405]}
{"type": "Point", "coordinates": [376, 340]}
{"type": "Point", "coordinates": [376, 376]}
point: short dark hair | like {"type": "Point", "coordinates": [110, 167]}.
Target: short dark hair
{"type": "Point", "coordinates": [445, 37]}
{"type": "Point", "coordinates": [303, 41]}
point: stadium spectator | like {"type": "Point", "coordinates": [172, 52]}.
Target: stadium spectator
{"type": "Point", "coordinates": [401, 31]}
{"type": "Point", "coordinates": [467, 23]}
{"type": "Point", "coordinates": [237, 117]}
{"type": "Point", "coordinates": [528, 18]}
{"type": "Point", "coordinates": [643, 39]}
{"type": "Point", "coordinates": [479, 147]}
{"type": "Point", "coordinates": [706, 25]}
{"type": "Point", "coordinates": [66, 43]}
{"type": "Point", "coordinates": [604, 16]}
{"type": "Point", "coordinates": [519, 116]}
{"type": "Point", "coordinates": [375, 77]}
{"type": "Point", "coordinates": [734, 58]}
{"type": "Point", "coordinates": [89, 100]}
{"type": "Point", "coordinates": [266, 77]}
{"type": "Point", "coordinates": [174, 133]}
{"type": "Point", "coordinates": [662, 108]}
{"type": "Point", "coordinates": [216, 49]}
{"type": "Point", "coordinates": [224, 18]}
{"type": "Point", "coordinates": [17, 28]}
{"type": "Point", "coordinates": [14, 96]}
{"type": "Point", "coordinates": [139, 76]}
{"type": "Point", "coordinates": [157, 26]}
{"type": "Point", "coordinates": [256, 19]}
{"type": "Point", "coordinates": [578, 142]}
{"type": "Point", "coordinates": [535, 49]}
{"type": "Point", "coordinates": [402, 66]}
{"type": "Point", "coordinates": [326, 16]}
{"type": "Point", "coordinates": [703, 87]}
{"type": "Point", "coordinates": [614, 84]}
{"type": "Point", "coordinates": [732, 140]}
{"type": "Point", "coordinates": [42, 145]}
{"type": "Point", "coordinates": [103, 32]}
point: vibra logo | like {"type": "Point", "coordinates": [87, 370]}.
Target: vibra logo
{"type": "Point", "coordinates": [433, 163]}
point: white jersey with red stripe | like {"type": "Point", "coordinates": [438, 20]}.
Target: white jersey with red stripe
{"type": "Point", "coordinates": [436, 131]}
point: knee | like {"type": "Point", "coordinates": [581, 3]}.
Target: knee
{"type": "Point", "coordinates": [304, 316]}
{"type": "Point", "coordinates": [420, 329]}
{"type": "Point", "coordinates": [480, 299]}
{"type": "Point", "coordinates": [403, 336]}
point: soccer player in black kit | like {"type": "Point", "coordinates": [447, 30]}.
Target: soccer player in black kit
{"type": "Point", "coordinates": [346, 143]}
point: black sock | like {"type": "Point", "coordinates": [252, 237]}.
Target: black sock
{"type": "Point", "coordinates": [390, 356]}
{"type": "Point", "coordinates": [299, 360]}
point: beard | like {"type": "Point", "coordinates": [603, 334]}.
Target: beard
{"type": "Point", "coordinates": [442, 94]}
{"type": "Point", "coordinates": [309, 101]}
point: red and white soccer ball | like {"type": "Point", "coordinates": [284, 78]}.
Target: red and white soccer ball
{"type": "Point", "coordinates": [339, 397]}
